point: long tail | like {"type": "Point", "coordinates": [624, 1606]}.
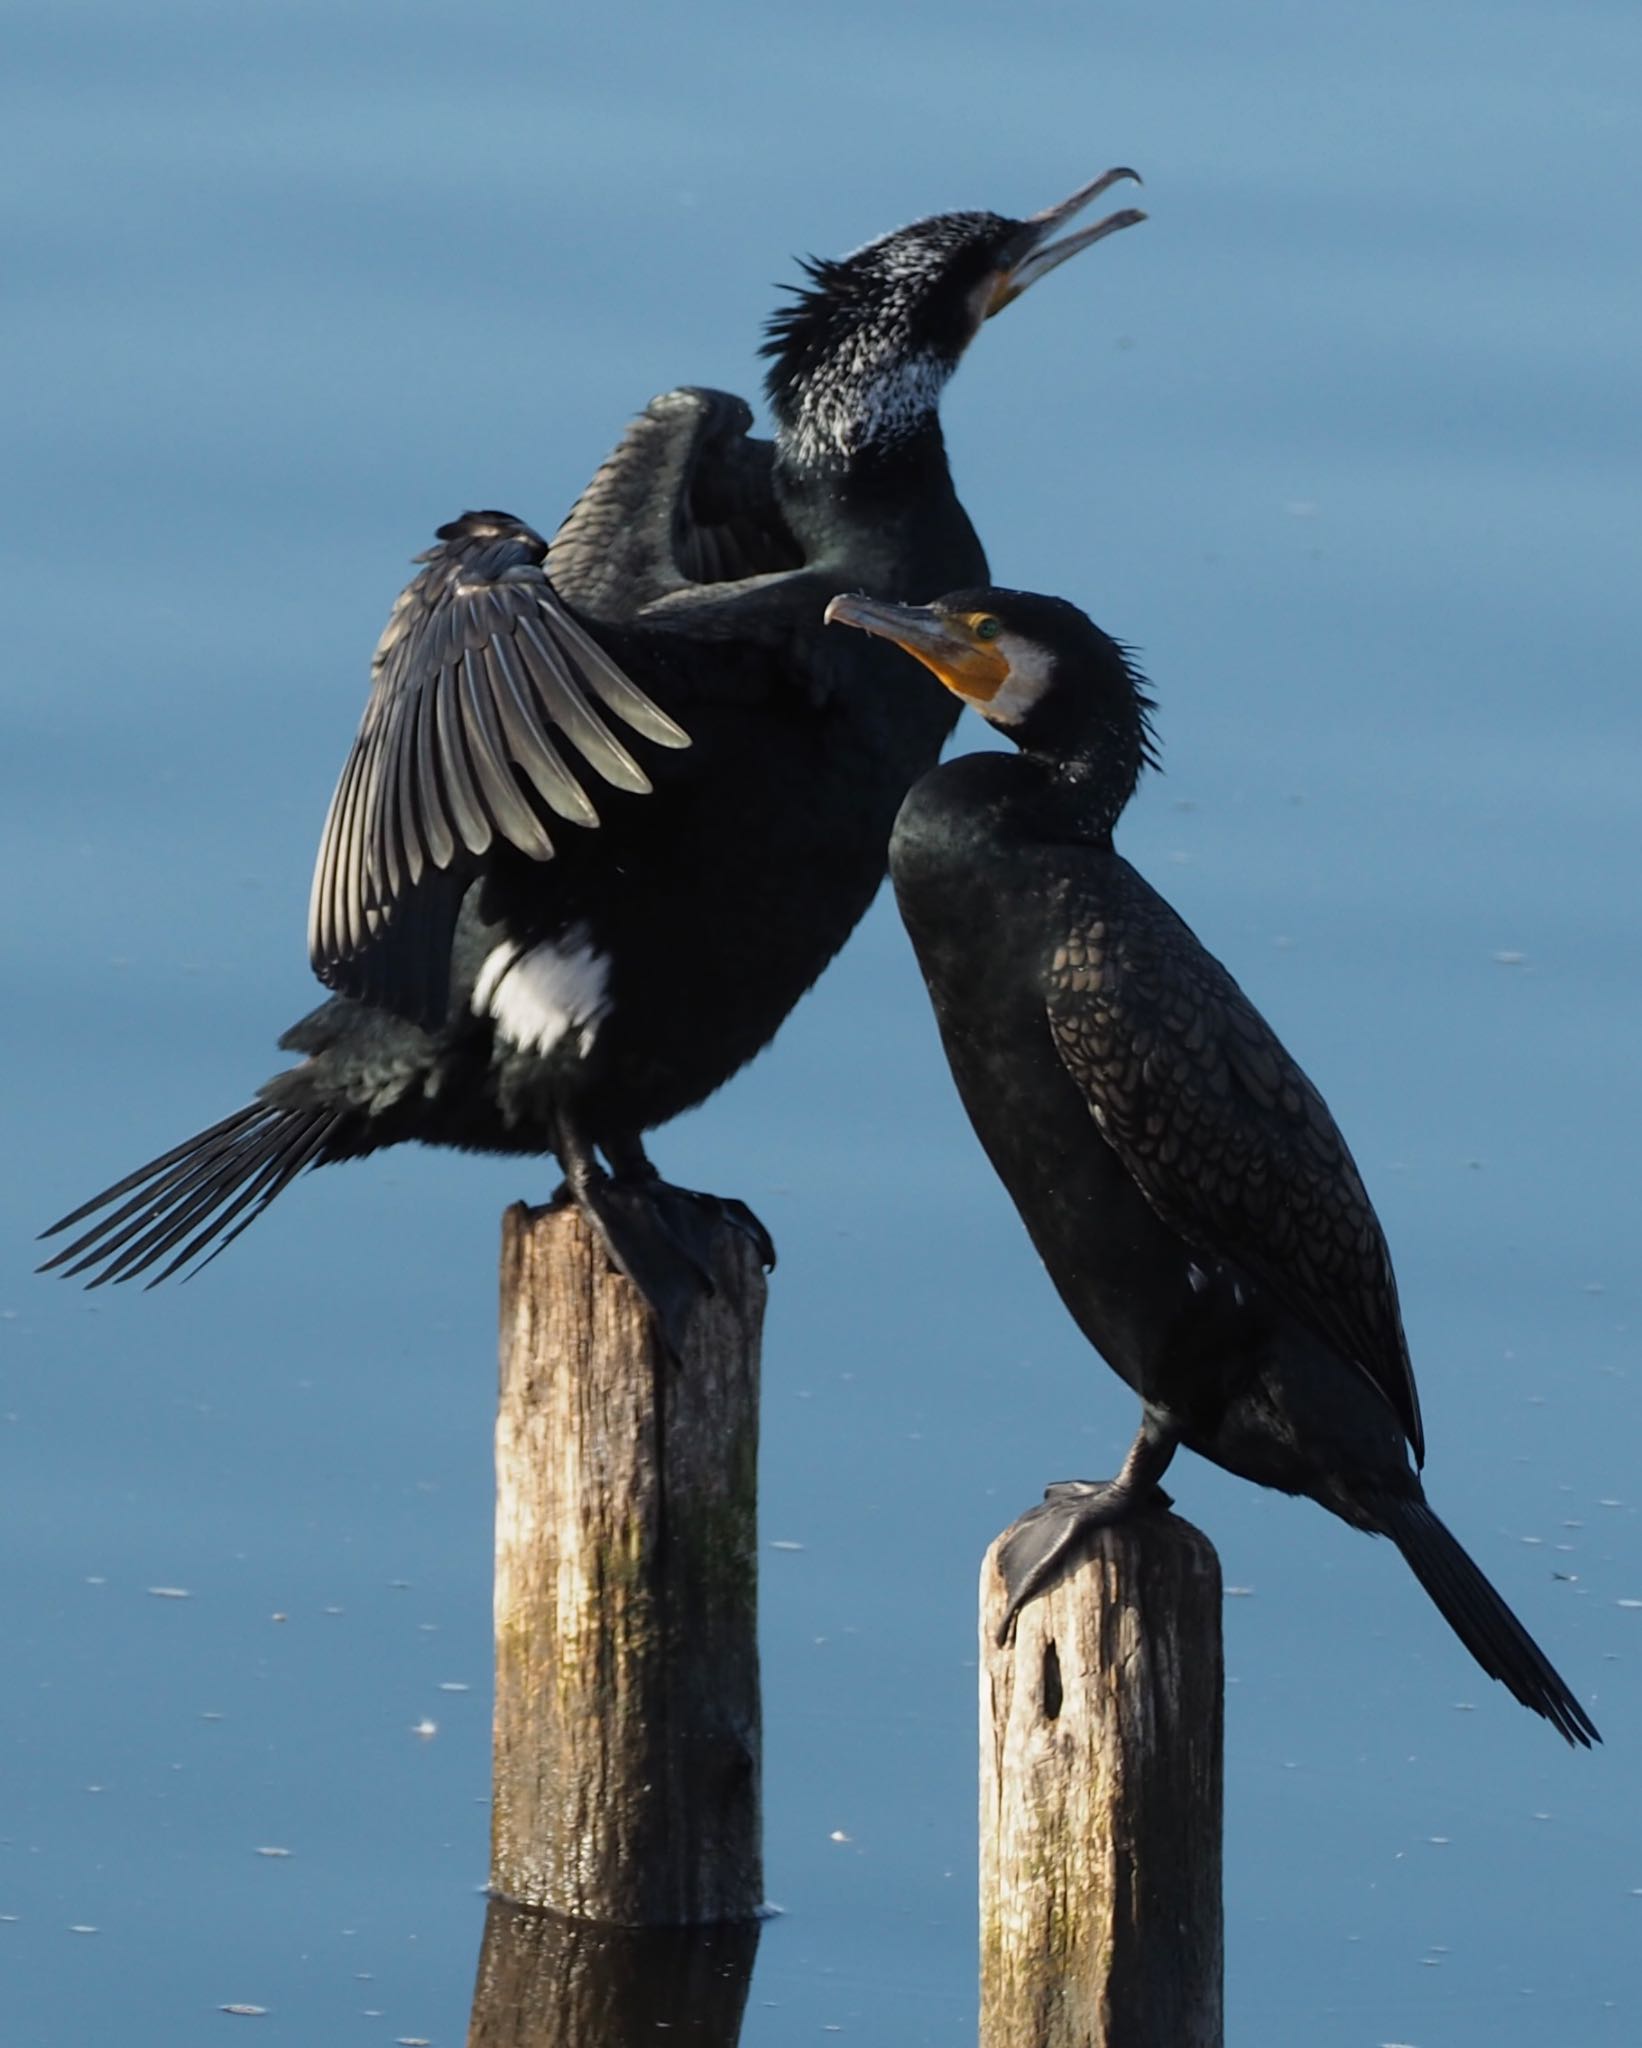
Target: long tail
{"type": "Point", "coordinates": [1481, 1619]}
{"type": "Point", "coordinates": [199, 1196]}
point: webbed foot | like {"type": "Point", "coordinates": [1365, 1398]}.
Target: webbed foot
{"type": "Point", "coordinates": [694, 1217]}
{"type": "Point", "coordinates": [671, 1268]}
{"type": "Point", "coordinates": [1049, 1539]}
{"type": "Point", "coordinates": [662, 1238]}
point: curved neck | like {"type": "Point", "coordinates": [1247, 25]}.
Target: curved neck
{"type": "Point", "coordinates": [1085, 794]}
{"type": "Point", "coordinates": [894, 499]}
{"type": "Point", "coordinates": [1038, 797]}
{"type": "Point", "coordinates": [864, 469]}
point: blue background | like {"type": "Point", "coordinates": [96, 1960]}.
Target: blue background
{"type": "Point", "coordinates": [1346, 439]}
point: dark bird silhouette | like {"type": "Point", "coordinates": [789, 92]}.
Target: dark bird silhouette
{"type": "Point", "coordinates": [1189, 1192]}
{"type": "Point", "coordinates": [509, 979]}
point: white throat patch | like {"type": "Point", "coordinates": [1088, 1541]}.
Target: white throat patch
{"type": "Point", "coordinates": [539, 996]}
{"type": "Point", "coordinates": [1029, 675]}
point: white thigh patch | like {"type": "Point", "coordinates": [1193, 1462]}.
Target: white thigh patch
{"type": "Point", "coordinates": [539, 996]}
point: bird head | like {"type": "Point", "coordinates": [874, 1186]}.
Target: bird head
{"type": "Point", "coordinates": [860, 357]}
{"type": "Point", "coordinates": [1035, 667]}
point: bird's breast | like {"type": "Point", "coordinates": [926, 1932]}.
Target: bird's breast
{"type": "Point", "coordinates": [983, 922]}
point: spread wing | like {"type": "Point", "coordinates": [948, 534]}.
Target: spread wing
{"type": "Point", "coordinates": [685, 497]}
{"type": "Point", "coordinates": [680, 537]}
{"type": "Point", "coordinates": [1221, 1131]}
{"type": "Point", "coordinates": [491, 710]}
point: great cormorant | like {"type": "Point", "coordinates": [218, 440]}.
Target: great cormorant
{"type": "Point", "coordinates": [508, 979]}
{"type": "Point", "coordinates": [1188, 1191]}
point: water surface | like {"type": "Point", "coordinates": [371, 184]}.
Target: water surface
{"type": "Point", "coordinates": [1345, 439]}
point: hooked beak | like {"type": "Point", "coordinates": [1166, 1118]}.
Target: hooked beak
{"type": "Point", "coordinates": [969, 669]}
{"type": "Point", "coordinates": [1040, 252]}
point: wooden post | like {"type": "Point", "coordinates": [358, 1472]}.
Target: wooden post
{"type": "Point", "coordinates": [1100, 1799]}
{"type": "Point", "coordinates": [627, 1732]}
{"type": "Point", "coordinates": [544, 1982]}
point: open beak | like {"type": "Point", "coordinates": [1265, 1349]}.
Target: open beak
{"type": "Point", "coordinates": [970, 669]}
{"type": "Point", "coordinates": [1039, 252]}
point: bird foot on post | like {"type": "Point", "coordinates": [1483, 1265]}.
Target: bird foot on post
{"type": "Point", "coordinates": [661, 1237]}
{"type": "Point", "coordinates": [694, 1218]}
{"type": "Point", "coordinates": [1049, 1539]}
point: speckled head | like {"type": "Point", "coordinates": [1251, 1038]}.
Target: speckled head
{"type": "Point", "coordinates": [861, 356]}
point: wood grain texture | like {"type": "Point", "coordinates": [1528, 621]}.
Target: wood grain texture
{"type": "Point", "coordinates": [1101, 1762]}
{"type": "Point", "coordinates": [627, 1729]}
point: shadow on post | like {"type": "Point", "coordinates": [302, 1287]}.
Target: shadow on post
{"type": "Point", "coordinates": [547, 1982]}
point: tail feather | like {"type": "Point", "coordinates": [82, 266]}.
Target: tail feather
{"type": "Point", "coordinates": [187, 1152]}
{"type": "Point", "coordinates": [167, 1196]}
{"type": "Point", "coordinates": [241, 1176]}
{"type": "Point", "coordinates": [292, 1160]}
{"type": "Point", "coordinates": [199, 1191]}
{"type": "Point", "coordinates": [1481, 1619]}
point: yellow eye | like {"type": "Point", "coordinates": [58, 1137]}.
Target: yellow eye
{"type": "Point", "coordinates": [988, 628]}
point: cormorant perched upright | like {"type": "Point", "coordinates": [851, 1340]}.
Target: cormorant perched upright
{"type": "Point", "coordinates": [748, 766]}
{"type": "Point", "coordinates": [1195, 1205]}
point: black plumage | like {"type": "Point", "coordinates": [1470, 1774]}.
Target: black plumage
{"type": "Point", "coordinates": [510, 978]}
{"type": "Point", "coordinates": [1192, 1198]}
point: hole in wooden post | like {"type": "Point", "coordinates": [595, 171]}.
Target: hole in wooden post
{"type": "Point", "coordinates": [1053, 1691]}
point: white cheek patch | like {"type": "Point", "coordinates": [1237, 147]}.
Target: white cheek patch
{"type": "Point", "coordinates": [542, 995]}
{"type": "Point", "coordinates": [1028, 678]}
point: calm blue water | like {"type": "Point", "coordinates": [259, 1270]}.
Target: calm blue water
{"type": "Point", "coordinates": [1346, 439]}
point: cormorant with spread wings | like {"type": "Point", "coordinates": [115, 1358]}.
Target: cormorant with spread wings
{"type": "Point", "coordinates": [617, 799]}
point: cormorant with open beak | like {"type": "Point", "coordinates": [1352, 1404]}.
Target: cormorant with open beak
{"type": "Point", "coordinates": [508, 978]}
{"type": "Point", "coordinates": [1195, 1204]}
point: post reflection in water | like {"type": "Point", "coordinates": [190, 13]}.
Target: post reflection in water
{"type": "Point", "coordinates": [547, 1982]}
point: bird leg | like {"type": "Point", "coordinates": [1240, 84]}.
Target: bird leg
{"type": "Point", "coordinates": [690, 1215]}
{"type": "Point", "coordinates": [671, 1269]}
{"type": "Point", "coordinates": [1045, 1542]}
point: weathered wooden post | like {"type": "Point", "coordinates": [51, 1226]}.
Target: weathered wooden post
{"type": "Point", "coordinates": [627, 1733]}
{"type": "Point", "coordinates": [1101, 1799]}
